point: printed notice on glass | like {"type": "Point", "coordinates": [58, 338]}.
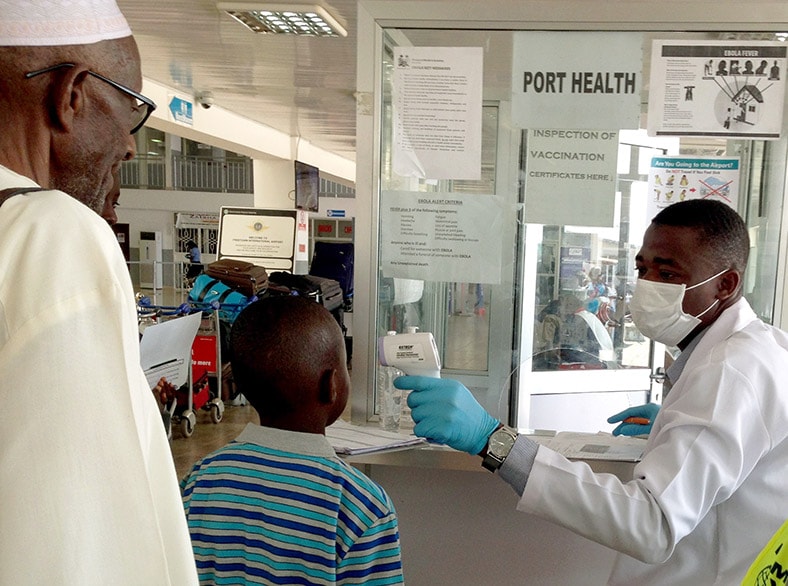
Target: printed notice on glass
{"type": "Point", "coordinates": [717, 88]}
{"type": "Point", "coordinates": [673, 179]}
{"type": "Point", "coordinates": [262, 237]}
{"type": "Point", "coordinates": [570, 177]}
{"type": "Point", "coordinates": [576, 79]}
{"type": "Point", "coordinates": [437, 112]}
{"type": "Point", "coordinates": [441, 236]}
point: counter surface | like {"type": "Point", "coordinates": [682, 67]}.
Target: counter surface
{"type": "Point", "coordinates": [444, 458]}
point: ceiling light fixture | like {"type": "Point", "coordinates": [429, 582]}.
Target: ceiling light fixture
{"type": "Point", "coordinates": [290, 18]}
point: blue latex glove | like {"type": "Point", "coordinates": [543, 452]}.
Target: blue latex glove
{"type": "Point", "coordinates": [648, 411]}
{"type": "Point", "coordinates": [446, 412]}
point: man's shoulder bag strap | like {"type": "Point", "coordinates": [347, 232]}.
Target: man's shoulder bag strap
{"type": "Point", "coordinates": [6, 193]}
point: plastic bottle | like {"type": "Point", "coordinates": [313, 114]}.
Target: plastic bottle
{"type": "Point", "coordinates": [389, 397]}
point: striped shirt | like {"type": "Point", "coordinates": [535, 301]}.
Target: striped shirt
{"type": "Point", "coordinates": [279, 507]}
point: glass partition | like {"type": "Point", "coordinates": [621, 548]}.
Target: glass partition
{"type": "Point", "coordinates": [550, 334]}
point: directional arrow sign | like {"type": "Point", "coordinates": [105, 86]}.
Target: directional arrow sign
{"type": "Point", "coordinates": [182, 110]}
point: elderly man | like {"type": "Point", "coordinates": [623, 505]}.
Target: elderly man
{"type": "Point", "coordinates": [88, 492]}
{"type": "Point", "coordinates": [710, 489]}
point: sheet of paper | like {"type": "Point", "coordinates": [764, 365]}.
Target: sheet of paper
{"type": "Point", "coordinates": [357, 439]}
{"type": "Point", "coordinates": [594, 446]}
{"type": "Point", "coordinates": [171, 370]}
{"type": "Point", "coordinates": [562, 80]}
{"type": "Point", "coordinates": [442, 236]}
{"type": "Point", "coordinates": [437, 112]}
{"type": "Point", "coordinates": [717, 88]}
{"type": "Point", "coordinates": [169, 343]}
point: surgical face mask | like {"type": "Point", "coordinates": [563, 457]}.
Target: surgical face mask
{"type": "Point", "coordinates": [658, 313]}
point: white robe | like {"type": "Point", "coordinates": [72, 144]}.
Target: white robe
{"type": "Point", "coordinates": [88, 491]}
{"type": "Point", "coordinates": [712, 486]}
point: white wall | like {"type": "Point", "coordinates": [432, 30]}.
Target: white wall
{"type": "Point", "coordinates": [152, 210]}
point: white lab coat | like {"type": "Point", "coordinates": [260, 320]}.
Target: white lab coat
{"type": "Point", "coordinates": [712, 486]}
{"type": "Point", "coordinates": [88, 491]}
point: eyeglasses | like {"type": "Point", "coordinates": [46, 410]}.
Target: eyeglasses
{"type": "Point", "coordinates": [143, 107]}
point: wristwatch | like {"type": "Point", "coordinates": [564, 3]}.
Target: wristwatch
{"type": "Point", "coordinates": [498, 447]}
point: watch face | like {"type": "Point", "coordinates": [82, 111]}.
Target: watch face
{"type": "Point", "coordinates": [501, 443]}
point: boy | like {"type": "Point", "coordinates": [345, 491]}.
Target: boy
{"type": "Point", "coordinates": [277, 505]}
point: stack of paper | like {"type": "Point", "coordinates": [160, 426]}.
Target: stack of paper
{"type": "Point", "coordinates": [593, 446]}
{"type": "Point", "coordinates": [352, 439]}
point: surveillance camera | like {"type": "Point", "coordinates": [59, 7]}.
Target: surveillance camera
{"type": "Point", "coordinates": [205, 99]}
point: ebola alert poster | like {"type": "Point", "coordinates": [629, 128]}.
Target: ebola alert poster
{"type": "Point", "coordinates": [441, 236]}
{"type": "Point", "coordinates": [673, 179]}
{"type": "Point", "coordinates": [717, 88]}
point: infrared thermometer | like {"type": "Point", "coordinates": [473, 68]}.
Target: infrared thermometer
{"type": "Point", "coordinates": [414, 353]}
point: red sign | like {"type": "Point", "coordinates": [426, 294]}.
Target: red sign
{"type": "Point", "coordinates": [204, 356]}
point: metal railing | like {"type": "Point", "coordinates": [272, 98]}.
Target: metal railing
{"type": "Point", "coordinates": [188, 174]}
{"type": "Point", "coordinates": [143, 172]}
{"type": "Point", "coordinates": [154, 275]}
{"type": "Point", "coordinates": [207, 174]}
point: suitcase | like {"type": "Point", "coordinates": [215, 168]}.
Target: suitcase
{"type": "Point", "coordinates": [327, 292]}
{"type": "Point", "coordinates": [330, 292]}
{"type": "Point", "coordinates": [207, 291]}
{"type": "Point", "coordinates": [248, 278]}
{"type": "Point", "coordinates": [335, 260]}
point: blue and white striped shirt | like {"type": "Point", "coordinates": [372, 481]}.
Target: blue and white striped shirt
{"type": "Point", "coordinates": [279, 507]}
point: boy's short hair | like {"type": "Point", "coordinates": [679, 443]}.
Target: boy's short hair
{"type": "Point", "coordinates": [279, 347]}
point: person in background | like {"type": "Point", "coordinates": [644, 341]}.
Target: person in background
{"type": "Point", "coordinates": [277, 506]}
{"type": "Point", "coordinates": [89, 493]}
{"type": "Point", "coordinates": [164, 389]}
{"type": "Point", "coordinates": [710, 489]}
{"type": "Point", "coordinates": [111, 201]}
{"type": "Point", "coordinates": [193, 256]}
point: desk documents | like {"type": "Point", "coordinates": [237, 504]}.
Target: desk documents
{"type": "Point", "coordinates": [593, 446]}
{"type": "Point", "coordinates": [349, 439]}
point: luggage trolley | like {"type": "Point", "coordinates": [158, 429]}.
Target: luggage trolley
{"type": "Point", "coordinates": [205, 364]}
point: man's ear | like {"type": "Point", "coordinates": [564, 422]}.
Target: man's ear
{"type": "Point", "coordinates": [67, 97]}
{"type": "Point", "coordinates": [729, 284]}
{"type": "Point", "coordinates": [328, 387]}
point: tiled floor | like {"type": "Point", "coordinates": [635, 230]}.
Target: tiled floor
{"type": "Point", "coordinates": [208, 436]}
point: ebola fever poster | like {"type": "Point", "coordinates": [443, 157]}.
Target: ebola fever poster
{"type": "Point", "coordinates": [717, 88]}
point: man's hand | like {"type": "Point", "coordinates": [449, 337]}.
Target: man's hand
{"type": "Point", "coordinates": [446, 412]}
{"type": "Point", "coordinates": [164, 391]}
{"type": "Point", "coordinates": [642, 419]}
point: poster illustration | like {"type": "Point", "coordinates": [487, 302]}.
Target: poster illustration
{"type": "Point", "coordinates": [673, 179]}
{"type": "Point", "coordinates": [717, 88]}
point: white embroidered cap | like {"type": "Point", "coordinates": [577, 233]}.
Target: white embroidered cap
{"type": "Point", "coordinates": [60, 22]}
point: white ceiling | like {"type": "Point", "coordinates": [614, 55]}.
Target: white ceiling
{"type": "Point", "coordinates": [302, 86]}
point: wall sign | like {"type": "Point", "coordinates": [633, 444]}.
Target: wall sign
{"type": "Point", "coordinates": [263, 237]}
{"type": "Point", "coordinates": [576, 79]}
{"type": "Point", "coordinates": [717, 88]}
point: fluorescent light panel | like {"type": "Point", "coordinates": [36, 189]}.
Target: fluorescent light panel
{"type": "Point", "coordinates": [285, 19]}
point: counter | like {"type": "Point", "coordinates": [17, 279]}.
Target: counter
{"type": "Point", "coordinates": [459, 524]}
